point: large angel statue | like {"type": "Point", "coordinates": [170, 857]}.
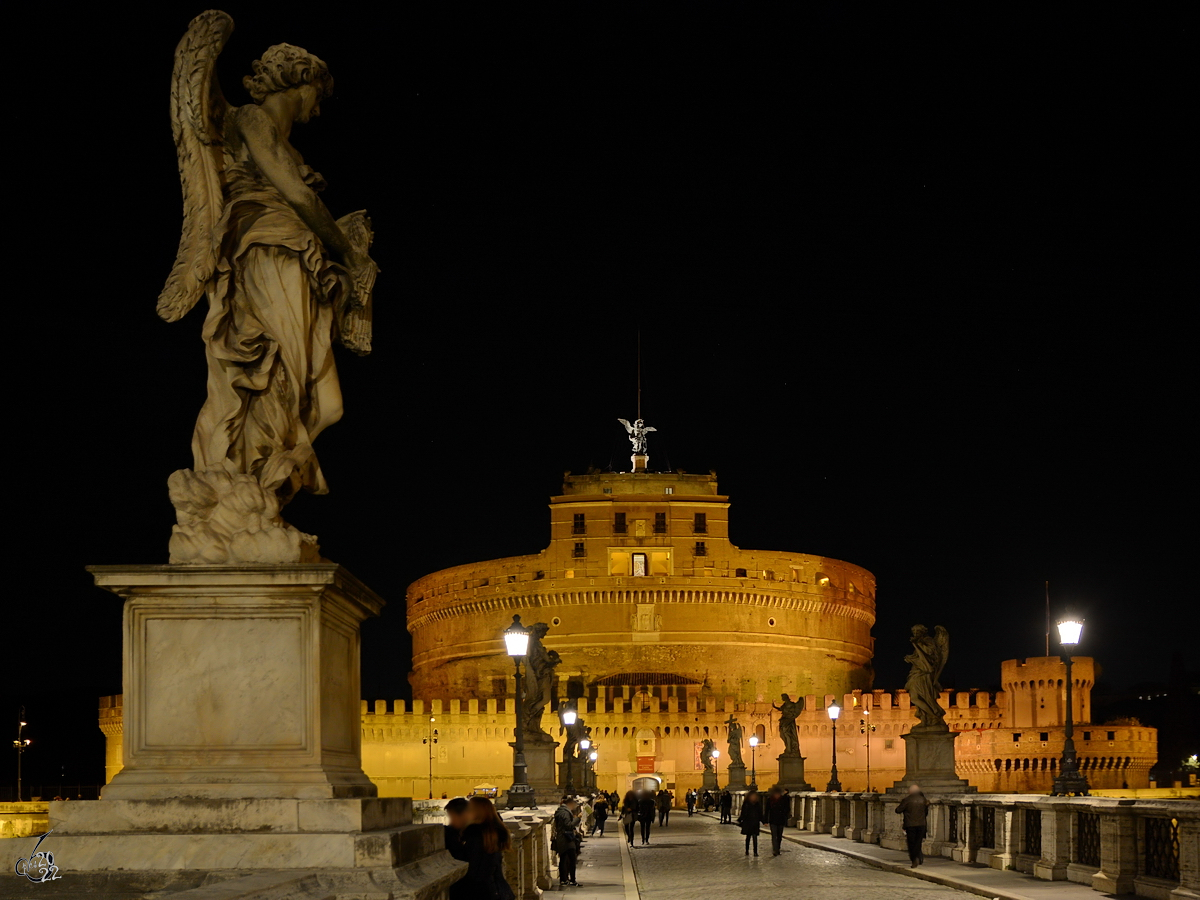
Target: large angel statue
{"type": "Point", "coordinates": [283, 278]}
{"type": "Point", "coordinates": [637, 435]}
{"type": "Point", "coordinates": [924, 684]}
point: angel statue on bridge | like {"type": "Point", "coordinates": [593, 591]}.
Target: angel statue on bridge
{"type": "Point", "coordinates": [284, 279]}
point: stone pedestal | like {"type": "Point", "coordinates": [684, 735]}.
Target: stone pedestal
{"type": "Point", "coordinates": [791, 773]}
{"type": "Point", "coordinates": [929, 758]}
{"type": "Point", "coordinates": [571, 775]}
{"type": "Point", "coordinates": [240, 681]}
{"type": "Point", "coordinates": [737, 778]}
{"type": "Point", "coordinates": [709, 781]}
{"type": "Point", "coordinates": [539, 769]}
{"type": "Point", "coordinates": [241, 749]}
{"type": "Point", "coordinates": [639, 462]}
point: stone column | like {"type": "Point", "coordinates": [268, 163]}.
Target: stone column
{"type": "Point", "coordinates": [1118, 852]}
{"type": "Point", "coordinates": [1056, 842]}
{"type": "Point", "coordinates": [874, 829]}
{"type": "Point", "coordinates": [1006, 837]}
{"type": "Point", "coordinates": [858, 818]}
{"type": "Point", "coordinates": [964, 850]}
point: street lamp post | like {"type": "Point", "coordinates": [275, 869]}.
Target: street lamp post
{"type": "Point", "coordinates": [21, 745]}
{"type": "Point", "coordinates": [585, 743]}
{"type": "Point", "coordinates": [866, 728]}
{"type": "Point", "coordinates": [1070, 780]}
{"type": "Point", "coordinates": [834, 785]}
{"type": "Point", "coordinates": [516, 642]}
{"type": "Point", "coordinates": [592, 757]}
{"type": "Point", "coordinates": [431, 740]}
{"type": "Point", "coordinates": [568, 716]}
{"type": "Point", "coordinates": [716, 777]}
{"type": "Point", "coordinates": [753, 766]}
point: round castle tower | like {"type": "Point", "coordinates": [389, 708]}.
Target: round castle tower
{"type": "Point", "coordinates": [642, 589]}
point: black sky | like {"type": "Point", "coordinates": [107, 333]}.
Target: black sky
{"type": "Point", "coordinates": [920, 291]}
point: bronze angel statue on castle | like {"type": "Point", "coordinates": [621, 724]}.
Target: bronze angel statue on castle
{"type": "Point", "coordinates": [284, 279]}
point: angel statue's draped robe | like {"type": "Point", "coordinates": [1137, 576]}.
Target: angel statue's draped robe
{"type": "Point", "coordinates": [272, 384]}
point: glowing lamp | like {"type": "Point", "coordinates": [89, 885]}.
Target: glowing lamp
{"type": "Point", "coordinates": [716, 753]}
{"type": "Point", "coordinates": [516, 638]}
{"type": "Point", "coordinates": [834, 711]}
{"type": "Point", "coordinates": [569, 715]}
{"type": "Point", "coordinates": [584, 743]}
{"type": "Point", "coordinates": [754, 740]}
{"type": "Point", "coordinates": [594, 756]}
{"type": "Point", "coordinates": [1069, 631]}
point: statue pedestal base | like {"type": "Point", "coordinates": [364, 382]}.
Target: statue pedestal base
{"type": "Point", "coordinates": [791, 774]}
{"type": "Point", "coordinates": [539, 770]}
{"type": "Point", "coordinates": [929, 759]}
{"type": "Point", "coordinates": [571, 776]}
{"type": "Point", "coordinates": [710, 781]}
{"type": "Point", "coordinates": [241, 681]}
{"type": "Point", "coordinates": [737, 778]}
{"type": "Point", "coordinates": [639, 462]}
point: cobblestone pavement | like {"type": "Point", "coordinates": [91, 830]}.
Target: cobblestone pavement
{"type": "Point", "coordinates": [697, 857]}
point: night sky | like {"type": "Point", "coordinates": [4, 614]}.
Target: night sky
{"type": "Point", "coordinates": [918, 290]}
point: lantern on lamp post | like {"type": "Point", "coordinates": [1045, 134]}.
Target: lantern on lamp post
{"type": "Point", "coordinates": [834, 785]}
{"type": "Point", "coordinates": [516, 643]}
{"type": "Point", "coordinates": [753, 766]}
{"type": "Point", "coordinates": [1069, 780]}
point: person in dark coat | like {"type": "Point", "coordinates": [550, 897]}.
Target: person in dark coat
{"type": "Point", "coordinates": [914, 808]}
{"type": "Point", "coordinates": [484, 843]}
{"type": "Point", "coordinates": [629, 811]}
{"type": "Point", "coordinates": [750, 818]}
{"type": "Point", "coordinates": [599, 815]}
{"type": "Point", "coordinates": [726, 808]}
{"type": "Point", "coordinates": [665, 799]}
{"type": "Point", "coordinates": [564, 841]}
{"type": "Point", "coordinates": [646, 810]}
{"type": "Point", "coordinates": [776, 812]}
{"type": "Point", "coordinates": [459, 816]}
{"type": "Point", "coordinates": [690, 796]}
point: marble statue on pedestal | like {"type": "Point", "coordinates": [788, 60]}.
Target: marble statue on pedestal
{"type": "Point", "coordinates": [789, 709]}
{"type": "Point", "coordinates": [928, 659]}
{"type": "Point", "coordinates": [706, 754]}
{"type": "Point", "coordinates": [735, 742]}
{"type": "Point", "coordinates": [284, 280]}
{"type": "Point", "coordinates": [637, 435]}
{"type": "Point", "coordinates": [539, 669]}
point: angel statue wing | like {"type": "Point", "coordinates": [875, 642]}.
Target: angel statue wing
{"type": "Point", "coordinates": [197, 116]}
{"type": "Point", "coordinates": [941, 637]}
{"type": "Point", "coordinates": [648, 429]}
{"type": "Point", "coordinates": [628, 427]}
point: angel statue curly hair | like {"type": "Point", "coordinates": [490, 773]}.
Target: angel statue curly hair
{"type": "Point", "coordinates": [286, 66]}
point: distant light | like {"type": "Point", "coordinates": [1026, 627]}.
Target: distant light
{"type": "Point", "coordinates": [834, 711]}
{"type": "Point", "coordinates": [24, 723]}
{"type": "Point", "coordinates": [1069, 631]}
{"type": "Point", "coordinates": [584, 743]}
{"type": "Point", "coordinates": [594, 756]}
{"type": "Point", "coordinates": [754, 740]}
{"type": "Point", "coordinates": [716, 753]}
{"type": "Point", "coordinates": [569, 715]}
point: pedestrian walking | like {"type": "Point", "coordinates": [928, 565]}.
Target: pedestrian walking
{"type": "Point", "coordinates": [776, 813]}
{"type": "Point", "coordinates": [629, 809]}
{"type": "Point", "coordinates": [645, 815]}
{"type": "Point", "coordinates": [750, 818]}
{"type": "Point", "coordinates": [914, 808]}
{"type": "Point", "coordinates": [690, 797]}
{"type": "Point", "coordinates": [599, 816]}
{"type": "Point", "coordinates": [665, 799]}
{"type": "Point", "coordinates": [563, 841]}
{"type": "Point", "coordinates": [483, 846]}
{"type": "Point", "coordinates": [726, 808]}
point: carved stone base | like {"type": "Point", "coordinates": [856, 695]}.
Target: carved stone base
{"type": "Point", "coordinates": [929, 758]}
{"type": "Point", "coordinates": [226, 518]}
{"type": "Point", "coordinates": [737, 778]}
{"type": "Point", "coordinates": [639, 462]}
{"type": "Point", "coordinates": [710, 781]}
{"type": "Point", "coordinates": [791, 773]}
{"type": "Point", "coordinates": [240, 681]}
{"type": "Point", "coordinates": [539, 768]}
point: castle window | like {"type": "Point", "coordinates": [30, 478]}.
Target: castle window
{"type": "Point", "coordinates": [1112, 735]}
{"type": "Point", "coordinates": [608, 490]}
{"type": "Point", "coordinates": [739, 573]}
{"type": "Point", "coordinates": [1087, 735]}
{"type": "Point", "coordinates": [889, 743]}
{"type": "Point", "coordinates": [580, 526]}
{"type": "Point", "coordinates": [1017, 738]}
{"type": "Point", "coordinates": [660, 523]}
{"type": "Point", "coordinates": [701, 550]}
{"type": "Point", "coordinates": [700, 523]}
{"type": "Point", "coordinates": [578, 549]}
{"type": "Point", "coordinates": [1045, 736]}
{"type": "Point", "coordinates": [619, 526]}
{"type": "Point", "coordinates": [639, 564]}
{"type": "Point", "coordinates": [669, 490]}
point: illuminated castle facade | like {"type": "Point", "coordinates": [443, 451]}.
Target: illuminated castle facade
{"type": "Point", "coordinates": [665, 629]}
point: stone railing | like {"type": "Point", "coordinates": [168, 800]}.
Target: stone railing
{"type": "Point", "coordinates": [527, 859]}
{"type": "Point", "coordinates": [1150, 848]}
{"type": "Point", "coordinates": [24, 819]}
